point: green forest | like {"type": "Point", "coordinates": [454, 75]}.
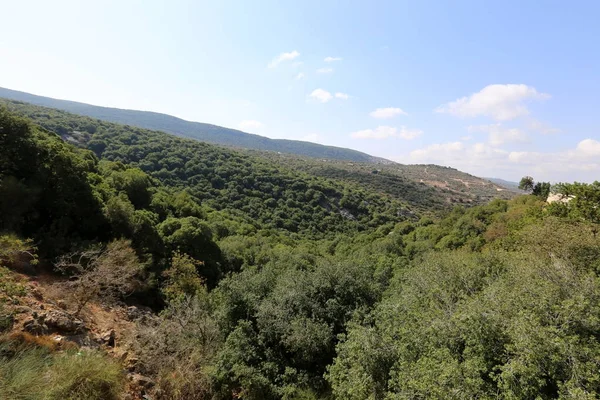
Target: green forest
{"type": "Point", "coordinates": [271, 280]}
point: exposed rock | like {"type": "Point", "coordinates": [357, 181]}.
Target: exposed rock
{"type": "Point", "coordinates": [58, 339]}
{"type": "Point", "coordinates": [108, 338]}
{"type": "Point", "coordinates": [140, 380]}
{"type": "Point", "coordinates": [61, 321]}
{"type": "Point", "coordinates": [84, 341]}
{"type": "Point", "coordinates": [61, 304]}
{"type": "Point", "coordinates": [558, 198]}
{"type": "Point", "coordinates": [131, 363]}
{"type": "Point", "coordinates": [35, 326]}
{"type": "Point", "coordinates": [135, 313]}
{"type": "Point", "coordinates": [36, 293]}
{"type": "Point", "coordinates": [347, 214]}
{"type": "Point", "coordinates": [22, 310]}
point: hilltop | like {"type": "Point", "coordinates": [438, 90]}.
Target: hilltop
{"type": "Point", "coordinates": [195, 130]}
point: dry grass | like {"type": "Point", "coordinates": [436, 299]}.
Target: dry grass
{"type": "Point", "coordinates": [36, 373]}
{"type": "Point", "coordinates": [24, 340]}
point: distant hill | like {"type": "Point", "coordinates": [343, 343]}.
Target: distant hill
{"type": "Point", "coordinates": [504, 183]}
{"type": "Point", "coordinates": [424, 187]}
{"type": "Point", "coordinates": [195, 130]}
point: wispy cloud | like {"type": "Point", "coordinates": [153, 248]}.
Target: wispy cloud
{"type": "Point", "coordinates": [388, 112]}
{"type": "Point", "coordinates": [332, 59]}
{"type": "Point", "coordinates": [283, 57]}
{"type": "Point", "coordinates": [324, 70]}
{"type": "Point", "coordinates": [300, 76]}
{"type": "Point", "coordinates": [385, 132]}
{"type": "Point", "coordinates": [342, 96]}
{"type": "Point", "coordinates": [499, 134]}
{"type": "Point", "coordinates": [541, 127]}
{"type": "Point", "coordinates": [321, 95]}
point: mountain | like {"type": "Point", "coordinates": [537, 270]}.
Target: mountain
{"type": "Point", "coordinates": [195, 130]}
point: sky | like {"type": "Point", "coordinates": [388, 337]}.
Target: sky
{"type": "Point", "coordinates": [494, 88]}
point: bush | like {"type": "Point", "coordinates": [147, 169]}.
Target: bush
{"type": "Point", "coordinates": [106, 275]}
{"type": "Point", "coordinates": [11, 288]}
{"type": "Point", "coordinates": [177, 349]}
{"type": "Point", "coordinates": [6, 319]}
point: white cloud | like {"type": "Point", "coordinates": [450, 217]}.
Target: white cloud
{"type": "Point", "coordinates": [499, 135]}
{"type": "Point", "coordinates": [250, 125]}
{"type": "Point", "coordinates": [581, 163]}
{"type": "Point", "coordinates": [321, 95]}
{"type": "Point", "coordinates": [283, 57]}
{"type": "Point", "coordinates": [435, 150]}
{"type": "Point", "coordinates": [388, 112]}
{"type": "Point", "coordinates": [582, 159]}
{"type": "Point", "coordinates": [381, 132]}
{"type": "Point", "coordinates": [332, 59]}
{"type": "Point", "coordinates": [409, 134]}
{"type": "Point", "coordinates": [300, 76]}
{"type": "Point", "coordinates": [500, 102]}
{"type": "Point", "coordinates": [541, 127]}
{"type": "Point", "coordinates": [324, 70]}
{"type": "Point", "coordinates": [589, 148]}
{"type": "Point", "coordinates": [384, 132]}
{"type": "Point", "coordinates": [342, 96]}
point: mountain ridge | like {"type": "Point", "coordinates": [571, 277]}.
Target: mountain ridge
{"type": "Point", "coordinates": [205, 132]}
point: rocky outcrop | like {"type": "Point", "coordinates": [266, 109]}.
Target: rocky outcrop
{"type": "Point", "coordinates": [53, 321]}
{"type": "Point", "coordinates": [64, 322]}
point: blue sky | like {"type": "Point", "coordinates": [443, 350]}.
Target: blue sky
{"type": "Point", "coordinates": [499, 89]}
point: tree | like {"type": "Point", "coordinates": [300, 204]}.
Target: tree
{"type": "Point", "coordinates": [542, 190]}
{"type": "Point", "coordinates": [526, 183]}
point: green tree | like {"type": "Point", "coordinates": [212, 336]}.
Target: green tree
{"type": "Point", "coordinates": [181, 278]}
{"type": "Point", "coordinates": [526, 183]}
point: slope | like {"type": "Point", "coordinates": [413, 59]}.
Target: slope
{"type": "Point", "coordinates": [194, 130]}
{"type": "Point", "coordinates": [424, 187]}
{"type": "Point", "coordinates": [248, 192]}
{"type": "Point", "coordinates": [421, 189]}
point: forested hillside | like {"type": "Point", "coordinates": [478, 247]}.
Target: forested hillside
{"type": "Point", "coordinates": [424, 189]}
{"type": "Point", "coordinates": [195, 130]}
{"type": "Point", "coordinates": [425, 186]}
{"type": "Point", "coordinates": [269, 282]}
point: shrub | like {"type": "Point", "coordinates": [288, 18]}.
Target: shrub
{"type": "Point", "coordinates": [178, 347]}
{"type": "Point", "coordinates": [182, 278]}
{"type": "Point", "coordinates": [10, 286]}
{"type": "Point", "coordinates": [6, 319]}
{"type": "Point", "coordinates": [106, 275]}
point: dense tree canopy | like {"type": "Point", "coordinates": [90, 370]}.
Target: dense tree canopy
{"type": "Point", "coordinates": [278, 284]}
